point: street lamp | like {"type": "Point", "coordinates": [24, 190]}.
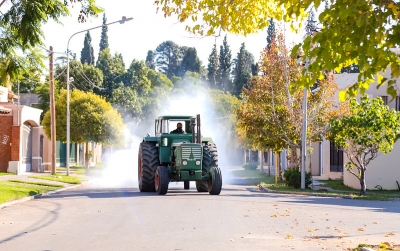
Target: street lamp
{"type": "Point", "coordinates": [123, 20]}
{"type": "Point", "coordinates": [310, 30]}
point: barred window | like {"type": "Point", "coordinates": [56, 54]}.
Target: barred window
{"type": "Point", "coordinates": [385, 99]}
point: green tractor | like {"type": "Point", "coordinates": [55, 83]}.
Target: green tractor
{"type": "Point", "coordinates": [176, 157]}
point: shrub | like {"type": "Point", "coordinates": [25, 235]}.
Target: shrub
{"type": "Point", "coordinates": [250, 166]}
{"type": "Point", "coordinates": [292, 177]}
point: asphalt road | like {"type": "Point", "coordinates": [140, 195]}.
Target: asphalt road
{"type": "Point", "coordinates": [119, 217]}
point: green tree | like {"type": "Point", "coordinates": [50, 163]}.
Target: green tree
{"type": "Point", "coordinates": [243, 70]}
{"type": "Point", "coordinates": [104, 37]}
{"type": "Point", "coordinates": [113, 71]}
{"type": "Point", "coordinates": [270, 33]}
{"type": "Point", "coordinates": [225, 63]}
{"type": "Point", "coordinates": [360, 33]}
{"type": "Point", "coordinates": [190, 61]}
{"type": "Point", "coordinates": [21, 23]}
{"type": "Point", "coordinates": [168, 58]}
{"type": "Point", "coordinates": [87, 53]}
{"type": "Point", "coordinates": [92, 119]}
{"type": "Point", "coordinates": [371, 127]}
{"type": "Point", "coordinates": [150, 60]}
{"type": "Point", "coordinates": [213, 65]}
{"type": "Point", "coordinates": [86, 77]}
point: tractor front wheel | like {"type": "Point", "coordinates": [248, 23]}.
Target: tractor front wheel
{"type": "Point", "coordinates": [147, 164]}
{"type": "Point", "coordinates": [186, 184]}
{"type": "Point", "coordinates": [210, 159]}
{"type": "Point", "coordinates": [161, 180]}
{"type": "Point", "coordinates": [215, 182]}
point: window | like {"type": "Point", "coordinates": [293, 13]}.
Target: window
{"type": "Point", "coordinates": [385, 99]}
{"type": "Point", "coordinates": [397, 104]}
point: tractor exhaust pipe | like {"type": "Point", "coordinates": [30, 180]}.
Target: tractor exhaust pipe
{"type": "Point", "coordinates": [198, 129]}
{"type": "Point", "coordinates": [193, 125]}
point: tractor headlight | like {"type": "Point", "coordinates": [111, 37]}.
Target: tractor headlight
{"type": "Point", "coordinates": [184, 163]}
{"type": "Point", "coordinates": [198, 162]}
{"type": "Point", "coordinates": [165, 142]}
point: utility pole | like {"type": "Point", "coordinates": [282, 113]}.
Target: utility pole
{"type": "Point", "coordinates": [310, 30]}
{"type": "Point", "coordinates": [52, 115]}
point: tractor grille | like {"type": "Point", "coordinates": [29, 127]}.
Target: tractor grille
{"type": "Point", "coordinates": [191, 153]}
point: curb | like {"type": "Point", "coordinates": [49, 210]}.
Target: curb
{"type": "Point", "coordinates": [267, 190]}
{"type": "Point", "coordinates": [39, 195]}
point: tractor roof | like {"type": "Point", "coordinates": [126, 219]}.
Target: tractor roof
{"type": "Point", "coordinates": [177, 117]}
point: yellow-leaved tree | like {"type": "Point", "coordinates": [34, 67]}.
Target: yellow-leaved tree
{"type": "Point", "coordinates": [270, 116]}
{"type": "Point", "coordinates": [352, 32]}
{"type": "Point", "coordinates": [92, 119]}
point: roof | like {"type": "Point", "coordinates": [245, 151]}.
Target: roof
{"type": "Point", "coordinates": [177, 117]}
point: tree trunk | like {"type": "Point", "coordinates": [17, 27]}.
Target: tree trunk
{"type": "Point", "coordinates": [261, 154]}
{"type": "Point", "coordinates": [294, 158]}
{"type": "Point", "coordinates": [269, 163]}
{"type": "Point", "coordinates": [244, 156]}
{"type": "Point", "coordinates": [87, 157]}
{"type": "Point", "coordinates": [363, 184]}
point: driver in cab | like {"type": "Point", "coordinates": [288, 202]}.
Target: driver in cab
{"type": "Point", "coordinates": [178, 128]}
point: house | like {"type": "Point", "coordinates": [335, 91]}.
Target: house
{"type": "Point", "coordinates": [327, 162]}
{"type": "Point", "coordinates": [24, 147]}
{"type": "Point", "coordinates": [19, 136]}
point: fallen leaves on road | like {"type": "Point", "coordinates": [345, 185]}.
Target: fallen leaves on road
{"type": "Point", "coordinates": [274, 216]}
{"type": "Point", "coordinates": [360, 229]}
{"type": "Point", "coordinates": [288, 236]}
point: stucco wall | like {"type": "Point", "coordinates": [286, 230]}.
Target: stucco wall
{"type": "Point", "coordinates": [383, 171]}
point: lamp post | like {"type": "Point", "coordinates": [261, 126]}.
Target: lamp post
{"type": "Point", "coordinates": [310, 29]}
{"type": "Point", "coordinates": [123, 20]}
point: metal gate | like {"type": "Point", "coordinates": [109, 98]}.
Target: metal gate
{"type": "Point", "coordinates": [27, 147]}
{"type": "Point", "coordinates": [336, 158]}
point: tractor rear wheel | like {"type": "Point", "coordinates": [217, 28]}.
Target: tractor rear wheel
{"type": "Point", "coordinates": [215, 183]}
{"type": "Point", "coordinates": [147, 165]}
{"type": "Point", "coordinates": [186, 184]}
{"type": "Point", "coordinates": [161, 180]}
{"type": "Point", "coordinates": [210, 159]}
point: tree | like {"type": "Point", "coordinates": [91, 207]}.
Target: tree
{"type": "Point", "coordinates": [150, 60]}
{"type": "Point", "coordinates": [104, 37]}
{"type": "Point", "coordinates": [92, 119]}
{"type": "Point", "coordinates": [243, 70]}
{"type": "Point", "coordinates": [213, 65]}
{"type": "Point", "coordinates": [168, 57]}
{"type": "Point", "coordinates": [361, 33]}
{"type": "Point", "coordinates": [371, 127]}
{"type": "Point", "coordinates": [190, 61]}
{"type": "Point", "coordinates": [270, 33]}
{"type": "Point", "coordinates": [113, 70]}
{"type": "Point", "coordinates": [225, 64]}
{"type": "Point", "coordinates": [21, 23]}
{"type": "Point", "coordinates": [270, 117]}
{"type": "Point", "coordinates": [86, 77]}
{"type": "Point", "coordinates": [87, 53]}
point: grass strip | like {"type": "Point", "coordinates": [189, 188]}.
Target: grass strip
{"type": "Point", "coordinates": [37, 183]}
{"type": "Point", "coordinates": [5, 173]}
{"type": "Point", "coordinates": [353, 193]}
{"type": "Point", "coordinates": [10, 191]}
{"type": "Point", "coordinates": [60, 178]}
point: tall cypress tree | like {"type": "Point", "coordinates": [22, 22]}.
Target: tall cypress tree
{"type": "Point", "coordinates": [87, 53]}
{"type": "Point", "coordinates": [213, 65]}
{"type": "Point", "coordinates": [150, 60]}
{"type": "Point", "coordinates": [270, 33]}
{"type": "Point", "coordinates": [243, 70]}
{"type": "Point", "coordinates": [224, 69]}
{"type": "Point", "coordinates": [104, 37]}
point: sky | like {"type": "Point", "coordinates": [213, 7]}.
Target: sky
{"type": "Point", "coordinates": [145, 32]}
